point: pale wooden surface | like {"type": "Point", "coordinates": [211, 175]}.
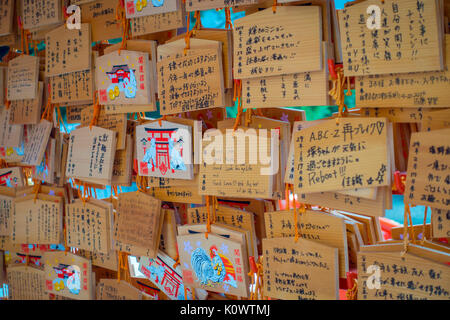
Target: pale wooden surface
{"type": "Point", "coordinates": [157, 23]}
{"type": "Point", "coordinates": [23, 75]}
{"type": "Point", "coordinates": [301, 52]}
{"type": "Point", "coordinates": [422, 273]}
{"type": "Point", "coordinates": [26, 283]}
{"type": "Point", "coordinates": [68, 50]}
{"type": "Point", "coordinates": [316, 226]}
{"type": "Point", "coordinates": [204, 77]}
{"type": "Point", "coordinates": [111, 289]}
{"type": "Point", "coordinates": [418, 52]}
{"type": "Point", "coordinates": [348, 154]}
{"type": "Point", "coordinates": [315, 266]}
{"type": "Point", "coordinates": [428, 169]}
{"type": "Point", "coordinates": [409, 90]}
{"type": "Point", "coordinates": [101, 14]}
{"type": "Point", "coordinates": [305, 89]}
{"type": "Point", "coordinates": [72, 88]}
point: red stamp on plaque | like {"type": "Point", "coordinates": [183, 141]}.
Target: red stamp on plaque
{"type": "Point", "coordinates": [187, 276]}
{"type": "Point", "coordinates": [49, 284]}
{"type": "Point", "coordinates": [130, 7]}
{"type": "Point", "coordinates": [103, 96]}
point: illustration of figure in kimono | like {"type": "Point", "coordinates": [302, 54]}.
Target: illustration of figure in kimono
{"type": "Point", "coordinates": [213, 269]}
{"type": "Point", "coordinates": [176, 161]}
{"type": "Point", "coordinates": [67, 277]}
{"type": "Point", "coordinates": [123, 80]}
{"type": "Point", "coordinates": [150, 154]}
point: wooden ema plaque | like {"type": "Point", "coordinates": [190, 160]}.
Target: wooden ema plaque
{"type": "Point", "coordinates": [26, 283]}
{"type": "Point", "coordinates": [11, 177]}
{"type": "Point", "coordinates": [427, 182]}
{"type": "Point", "coordinates": [305, 89]}
{"type": "Point", "coordinates": [91, 154]}
{"type": "Point", "coordinates": [72, 88]}
{"type": "Point", "coordinates": [165, 150]}
{"type": "Point", "coordinates": [350, 154]}
{"type": "Point", "coordinates": [420, 274]}
{"type": "Point", "coordinates": [316, 226]}
{"type": "Point", "coordinates": [287, 42]}
{"type": "Point", "coordinates": [7, 14]}
{"type": "Point", "coordinates": [68, 275]}
{"type": "Point", "coordinates": [88, 226]}
{"type": "Point", "coordinates": [23, 75]}
{"type": "Point", "coordinates": [391, 36]}
{"type": "Point", "coordinates": [123, 79]}
{"type": "Point", "coordinates": [110, 289]}
{"type": "Point", "coordinates": [440, 223]}
{"type": "Point", "coordinates": [101, 15]}
{"type": "Point", "coordinates": [214, 264]}
{"type": "Point", "coordinates": [157, 23]}
{"type": "Point", "coordinates": [240, 172]}
{"type": "Point", "coordinates": [6, 211]}
{"type": "Point", "coordinates": [37, 143]}
{"type": "Point", "coordinates": [38, 14]}
{"type": "Point", "coordinates": [37, 222]}
{"type": "Point", "coordinates": [140, 221]}
{"type": "Point", "coordinates": [409, 90]}
{"type": "Point", "coordinates": [305, 270]}
{"type": "Point", "coordinates": [10, 135]}
{"type": "Point", "coordinates": [68, 50]}
{"type": "Point", "coordinates": [201, 71]}
{"type": "Point", "coordinates": [161, 272]}
{"type": "Point", "coordinates": [27, 111]}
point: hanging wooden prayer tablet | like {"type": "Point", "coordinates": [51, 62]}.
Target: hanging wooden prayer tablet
{"type": "Point", "coordinates": [111, 289]}
{"type": "Point", "coordinates": [6, 210]}
{"type": "Point", "coordinates": [68, 275]}
{"type": "Point", "coordinates": [317, 226]}
{"type": "Point", "coordinates": [88, 226]}
{"type": "Point", "coordinates": [91, 154]}
{"type": "Point", "coordinates": [37, 143]}
{"type": "Point", "coordinates": [11, 135]}
{"type": "Point", "coordinates": [101, 15]}
{"type": "Point", "coordinates": [305, 270]}
{"type": "Point", "coordinates": [349, 154]}
{"type": "Point", "coordinates": [213, 263]}
{"type": "Point", "coordinates": [157, 23]}
{"type": "Point", "coordinates": [145, 8]}
{"type": "Point", "coordinates": [7, 14]}
{"type": "Point", "coordinates": [37, 14]}
{"type": "Point", "coordinates": [440, 223]}
{"type": "Point", "coordinates": [167, 278]}
{"type": "Point", "coordinates": [27, 111]}
{"type": "Point", "coordinates": [408, 90]}
{"type": "Point", "coordinates": [68, 50]}
{"type": "Point", "coordinates": [72, 88]}
{"type": "Point", "coordinates": [428, 179]}
{"type": "Point", "coordinates": [165, 150]}
{"type": "Point", "coordinates": [123, 79]}
{"type": "Point", "coordinates": [245, 172]}
{"type": "Point", "coordinates": [286, 42]}
{"type": "Point", "coordinates": [37, 221]}
{"type": "Point", "coordinates": [26, 283]}
{"type": "Point", "coordinates": [23, 77]}
{"type": "Point", "coordinates": [385, 273]}
{"type": "Point", "coordinates": [139, 221]}
{"type": "Point", "coordinates": [201, 72]}
{"type": "Point", "coordinates": [305, 89]}
{"type": "Point", "coordinates": [391, 36]}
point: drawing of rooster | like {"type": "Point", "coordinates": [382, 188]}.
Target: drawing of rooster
{"type": "Point", "coordinates": [215, 268]}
